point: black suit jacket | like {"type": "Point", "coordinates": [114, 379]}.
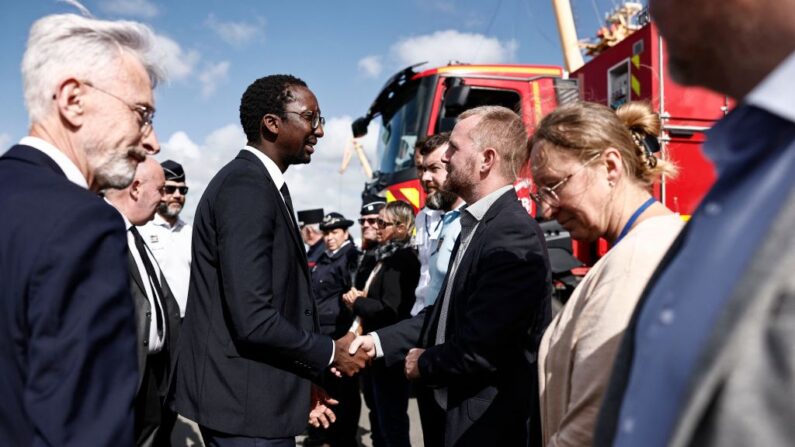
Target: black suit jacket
{"type": "Point", "coordinates": [249, 329]}
{"type": "Point", "coordinates": [499, 308]}
{"type": "Point", "coordinates": [144, 316]}
{"type": "Point", "coordinates": [67, 338]}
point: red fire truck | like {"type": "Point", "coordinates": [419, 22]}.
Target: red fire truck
{"type": "Point", "coordinates": [413, 104]}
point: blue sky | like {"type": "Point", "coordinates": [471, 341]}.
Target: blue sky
{"type": "Point", "coordinates": [344, 50]}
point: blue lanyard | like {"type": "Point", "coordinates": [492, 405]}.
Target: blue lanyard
{"type": "Point", "coordinates": [633, 218]}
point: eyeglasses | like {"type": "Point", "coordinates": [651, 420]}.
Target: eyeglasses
{"type": "Point", "coordinates": [171, 189]}
{"type": "Point", "coordinates": [383, 224]}
{"type": "Point", "coordinates": [315, 120]}
{"type": "Point", "coordinates": [547, 194]}
{"type": "Point", "coordinates": [145, 114]}
{"type": "Point", "coordinates": [368, 221]}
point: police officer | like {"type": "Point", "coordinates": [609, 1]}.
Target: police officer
{"type": "Point", "coordinates": [331, 277]}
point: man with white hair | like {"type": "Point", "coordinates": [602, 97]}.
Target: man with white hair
{"type": "Point", "coordinates": [68, 370]}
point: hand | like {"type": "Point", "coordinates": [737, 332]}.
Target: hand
{"type": "Point", "coordinates": [412, 368]}
{"type": "Point", "coordinates": [344, 362]}
{"type": "Point", "coordinates": [350, 297]}
{"type": "Point", "coordinates": [364, 342]}
{"type": "Point", "coordinates": [320, 413]}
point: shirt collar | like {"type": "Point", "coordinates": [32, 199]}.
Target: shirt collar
{"type": "Point", "coordinates": [776, 93]}
{"type": "Point", "coordinates": [479, 208]}
{"type": "Point", "coordinates": [68, 167]}
{"type": "Point", "coordinates": [270, 165]}
{"type": "Point", "coordinates": [127, 223]}
{"type": "Point", "coordinates": [331, 254]}
{"type": "Point", "coordinates": [159, 221]}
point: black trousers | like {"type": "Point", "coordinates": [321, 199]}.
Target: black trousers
{"type": "Point", "coordinates": [150, 413]}
{"type": "Point", "coordinates": [432, 416]}
{"type": "Point", "coordinates": [389, 394]}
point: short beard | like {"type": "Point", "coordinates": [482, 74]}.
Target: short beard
{"type": "Point", "coordinates": [440, 200]}
{"type": "Point", "coordinates": [164, 210]}
{"type": "Point", "coordinates": [111, 169]}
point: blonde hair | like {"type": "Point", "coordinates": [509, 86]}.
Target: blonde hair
{"type": "Point", "coordinates": [586, 129]}
{"type": "Point", "coordinates": [502, 129]}
{"type": "Point", "coordinates": [402, 213]}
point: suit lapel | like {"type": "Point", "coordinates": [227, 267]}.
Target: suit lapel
{"type": "Point", "coordinates": [744, 317]}
{"type": "Point", "coordinates": [462, 272]}
{"type": "Point", "coordinates": [134, 273]}
{"type": "Point", "coordinates": [285, 213]}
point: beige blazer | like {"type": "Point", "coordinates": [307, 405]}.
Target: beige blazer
{"type": "Point", "coordinates": [577, 352]}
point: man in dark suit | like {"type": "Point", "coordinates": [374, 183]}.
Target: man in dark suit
{"type": "Point", "coordinates": [249, 339]}
{"type": "Point", "coordinates": [476, 346]}
{"type": "Point", "coordinates": [708, 359]}
{"type": "Point", "coordinates": [153, 301]}
{"type": "Point", "coordinates": [67, 352]}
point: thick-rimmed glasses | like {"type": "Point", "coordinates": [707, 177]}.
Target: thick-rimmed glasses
{"type": "Point", "coordinates": [548, 194]}
{"type": "Point", "coordinates": [368, 220]}
{"type": "Point", "coordinates": [315, 120]}
{"type": "Point", "coordinates": [145, 114]}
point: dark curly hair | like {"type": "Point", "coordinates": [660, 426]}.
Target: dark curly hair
{"type": "Point", "coordinates": [265, 95]}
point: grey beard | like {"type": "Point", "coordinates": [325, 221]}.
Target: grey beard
{"type": "Point", "coordinates": [164, 210]}
{"type": "Point", "coordinates": [440, 200]}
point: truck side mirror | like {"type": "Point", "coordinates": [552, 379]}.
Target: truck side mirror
{"type": "Point", "coordinates": [455, 100]}
{"type": "Point", "coordinates": [359, 127]}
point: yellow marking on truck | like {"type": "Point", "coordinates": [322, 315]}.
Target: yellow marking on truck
{"type": "Point", "coordinates": [537, 102]}
{"type": "Point", "coordinates": [413, 196]}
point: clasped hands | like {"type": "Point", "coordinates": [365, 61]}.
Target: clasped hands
{"type": "Point", "coordinates": [350, 297]}
{"type": "Point", "coordinates": [365, 344]}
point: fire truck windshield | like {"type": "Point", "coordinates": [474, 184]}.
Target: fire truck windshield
{"type": "Point", "coordinates": [401, 124]}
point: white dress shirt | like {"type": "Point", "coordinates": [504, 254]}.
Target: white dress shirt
{"type": "Point", "coordinates": [155, 343]}
{"type": "Point", "coordinates": [171, 247]}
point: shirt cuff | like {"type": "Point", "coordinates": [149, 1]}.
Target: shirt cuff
{"type": "Point", "coordinates": [379, 351]}
{"type": "Point", "coordinates": [333, 349]}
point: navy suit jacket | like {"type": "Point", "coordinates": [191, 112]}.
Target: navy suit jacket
{"type": "Point", "coordinates": [499, 308]}
{"type": "Point", "coordinates": [68, 369]}
{"type": "Point", "coordinates": [249, 334]}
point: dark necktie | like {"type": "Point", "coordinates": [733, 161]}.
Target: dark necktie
{"type": "Point", "coordinates": [154, 281]}
{"type": "Point", "coordinates": [289, 202]}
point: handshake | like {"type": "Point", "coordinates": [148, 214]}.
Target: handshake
{"type": "Point", "coordinates": [352, 353]}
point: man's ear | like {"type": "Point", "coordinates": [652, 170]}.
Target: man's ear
{"type": "Point", "coordinates": [270, 123]}
{"type": "Point", "coordinates": [135, 189]}
{"type": "Point", "coordinates": [489, 159]}
{"type": "Point", "coordinates": [68, 99]}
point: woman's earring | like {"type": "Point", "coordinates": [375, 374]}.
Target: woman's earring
{"type": "Point", "coordinates": [610, 184]}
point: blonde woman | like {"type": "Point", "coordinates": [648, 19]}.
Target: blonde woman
{"type": "Point", "coordinates": [594, 169]}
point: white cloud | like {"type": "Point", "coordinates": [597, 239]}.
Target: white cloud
{"type": "Point", "coordinates": [371, 66]}
{"type": "Point", "coordinates": [236, 33]}
{"type": "Point", "coordinates": [130, 8]}
{"type": "Point", "coordinates": [5, 139]}
{"type": "Point", "coordinates": [212, 76]}
{"type": "Point", "coordinates": [202, 161]}
{"type": "Point", "coordinates": [179, 64]}
{"type": "Point", "coordinates": [443, 47]}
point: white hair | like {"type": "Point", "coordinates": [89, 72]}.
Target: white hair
{"type": "Point", "coordinates": [65, 45]}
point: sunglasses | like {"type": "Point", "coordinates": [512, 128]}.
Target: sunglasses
{"type": "Point", "coordinates": [171, 189]}
{"type": "Point", "coordinates": [383, 224]}
{"type": "Point", "coordinates": [368, 221]}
